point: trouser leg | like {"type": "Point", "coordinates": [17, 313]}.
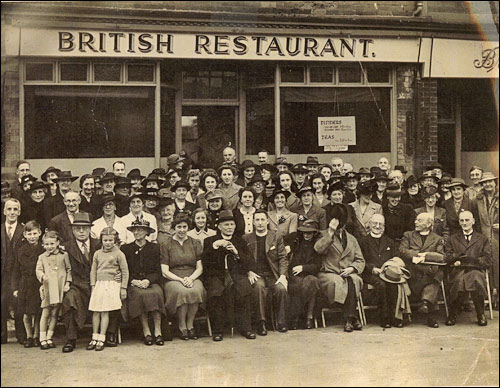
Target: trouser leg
{"type": "Point", "coordinates": [243, 305]}
{"type": "Point", "coordinates": [349, 308]}
{"type": "Point", "coordinates": [70, 323]}
{"type": "Point", "coordinates": [260, 295]}
{"type": "Point", "coordinates": [114, 319]}
{"type": "Point", "coordinates": [280, 297]}
{"type": "Point", "coordinates": [216, 311]}
{"type": "Point", "coordinates": [478, 300]}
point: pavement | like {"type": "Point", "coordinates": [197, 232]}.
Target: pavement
{"type": "Point", "coordinates": [463, 355]}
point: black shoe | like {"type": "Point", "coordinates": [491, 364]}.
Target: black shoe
{"type": "Point", "coordinates": [451, 320]}
{"type": "Point", "coordinates": [148, 340]}
{"type": "Point", "coordinates": [294, 324]}
{"type": "Point", "coordinates": [398, 323]}
{"type": "Point", "coordinates": [431, 322]}
{"type": "Point", "coordinates": [262, 328]}
{"type": "Point", "coordinates": [348, 327]}
{"type": "Point", "coordinates": [36, 342]}
{"type": "Point", "coordinates": [217, 337]}
{"type": "Point", "coordinates": [111, 341]}
{"type": "Point", "coordinates": [385, 324]}
{"type": "Point", "coordinates": [424, 308]}
{"type": "Point", "coordinates": [99, 346]}
{"type": "Point", "coordinates": [51, 343]}
{"type": "Point", "coordinates": [69, 346]}
{"type": "Point", "coordinates": [159, 340]}
{"type": "Point", "coordinates": [192, 334]}
{"type": "Point", "coordinates": [309, 323]}
{"type": "Point", "coordinates": [184, 335]}
{"type": "Point", "coordinates": [282, 328]}
{"type": "Point", "coordinates": [249, 335]}
{"type": "Point", "coordinates": [44, 345]}
{"type": "Point", "coordinates": [91, 345]}
{"type": "Point", "coordinates": [29, 343]}
{"type": "Point", "coordinates": [481, 320]}
{"type": "Point", "coordinates": [356, 324]}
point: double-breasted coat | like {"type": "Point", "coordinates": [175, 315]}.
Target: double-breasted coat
{"type": "Point", "coordinates": [376, 252]}
{"type": "Point", "coordinates": [475, 254]}
{"type": "Point", "coordinates": [62, 225]}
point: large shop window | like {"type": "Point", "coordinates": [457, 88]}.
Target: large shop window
{"type": "Point", "coordinates": [88, 122]}
{"type": "Point", "coordinates": [260, 120]}
{"type": "Point", "coordinates": [301, 107]}
{"type": "Point", "coordinates": [479, 116]}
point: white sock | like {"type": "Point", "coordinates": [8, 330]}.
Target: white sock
{"type": "Point", "coordinates": [102, 337]}
{"type": "Point", "coordinates": [43, 336]}
{"type": "Point", "coordinates": [50, 333]}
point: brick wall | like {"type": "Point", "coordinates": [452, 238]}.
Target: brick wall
{"type": "Point", "coordinates": [427, 132]}
{"type": "Point", "coordinates": [10, 126]}
{"type": "Point", "coordinates": [405, 76]}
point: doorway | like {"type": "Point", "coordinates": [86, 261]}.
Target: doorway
{"type": "Point", "coordinates": [206, 131]}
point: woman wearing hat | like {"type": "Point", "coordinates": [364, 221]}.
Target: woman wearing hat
{"type": "Point", "coordinates": [180, 190]}
{"type": "Point", "coordinates": [32, 207]}
{"type": "Point", "coordinates": [215, 201]}
{"type": "Point", "coordinates": [487, 204]}
{"type": "Point", "coordinates": [381, 180]}
{"type": "Point", "coordinates": [258, 185]}
{"type": "Point", "coordinates": [475, 175]}
{"type": "Point", "coordinates": [181, 265]}
{"type": "Point", "coordinates": [48, 176]}
{"type": "Point", "coordinates": [430, 195]}
{"type": "Point", "coordinates": [341, 265]}
{"type": "Point", "coordinates": [281, 219]}
{"type": "Point", "coordinates": [444, 189]}
{"type": "Point", "coordinates": [88, 203]}
{"type": "Point", "coordinates": [109, 219]}
{"type": "Point", "coordinates": [351, 180]}
{"type": "Point", "coordinates": [364, 209]}
{"type": "Point", "coordinates": [399, 217]}
{"type": "Point", "coordinates": [144, 292]}
{"type": "Point", "coordinates": [137, 213]}
{"type": "Point", "coordinates": [459, 202]}
{"type": "Point", "coordinates": [412, 195]}
{"type": "Point", "coordinates": [208, 183]}
{"type": "Point", "coordinates": [151, 201]}
{"type": "Point", "coordinates": [309, 210]}
{"type": "Point", "coordinates": [303, 284]}
{"type": "Point", "coordinates": [248, 170]}
{"type": "Point", "coordinates": [166, 210]}
{"type": "Point", "coordinates": [229, 189]}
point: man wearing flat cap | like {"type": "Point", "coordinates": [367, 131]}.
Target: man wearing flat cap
{"type": "Point", "coordinates": [224, 278]}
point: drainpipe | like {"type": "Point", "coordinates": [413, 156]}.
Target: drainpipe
{"type": "Point", "coordinates": [419, 6]}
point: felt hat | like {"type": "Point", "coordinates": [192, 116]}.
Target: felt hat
{"type": "Point", "coordinates": [337, 186]}
{"type": "Point", "coordinates": [304, 190]}
{"type": "Point", "coordinates": [27, 178]}
{"type": "Point", "coordinates": [364, 171]}
{"type": "Point", "coordinates": [279, 191]}
{"type": "Point", "coordinates": [226, 215]}
{"type": "Point", "coordinates": [381, 176]}
{"type": "Point", "coordinates": [37, 185]}
{"type": "Point", "coordinates": [411, 181]}
{"type": "Point", "coordinates": [428, 174]}
{"type": "Point", "coordinates": [97, 172]}
{"type": "Point", "coordinates": [109, 176]}
{"type": "Point", "coordinates": [300, 169]}
{"type": "Point", "coordinates": [122, 181]}
{"type": "Point", "coordinates": [401, 168]}
{"type": "Point", "coordinates": [365, 187]}
{"type": "Point", "coordinates": [446, 178]}
{"type": "Point", "coordinates": [394, 271]}
{"type": "Point", "coordinates": [247, 164]}
{"type": "Point", "coordinates": [216, 194]}
{"type": "Point", "coordinates": [81, 219]}
{"type": "Point", "coordinates": [257, 177]}
{"type": "Point", "coordinates": [351, 175]}
{"type": "Point", "coordinates": [312, 160]}
{"type": "Point", "coordinates": [150, 193]}
{"type": "Point", "coordinates": [48, 171]}
{"type": "Point", "coordinates": [65, 175]}
{"type": "Point", "coordinates": [429, 191]}
{"type": "Point", "coordinates": [106, 198]}
{"type": "Point", "coordinates": [457, 182]}
{"type": "Point", "coordinates": [309, 226]}
{"type": "Point", "coordinates": [135, 173]}
{"type": "Point", "coordinates": [174, 158]}
{"type": "Point", "coordinates": [144, 224]}
{"type": "Point", "coordinates": [393, 190]}
{"type": "Point", "coordinates": [181, 183]}
{"type": "Point", "coordinates": [150, 178]}
{"type": "Point", "coordinates": [159, 171]}
{"type": "Point", "coordinates": [487, 176]}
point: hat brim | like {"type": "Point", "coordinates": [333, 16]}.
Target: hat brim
{"type": "Point", "coordinates": [83, 224]}
{"type": "Point", "coordinates": [385, 279]}
{"type": "Point", "coordinates": [488, 179]}
{"type": "Point", "coordinates": [147, 228]}
{"type": "Point", "coordinates": [307, 229]}
{"type": "Point", "coordinates": [226, 219]}
{"type": "Point", "coordinates": [214, 198]}
{"type": "Point", "coordinates": [71, 178]}
{"type": "Point", "coordinates": [457, 184]}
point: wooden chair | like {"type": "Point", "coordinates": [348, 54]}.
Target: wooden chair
{"type": "Point", "coordinates": [359, 307]}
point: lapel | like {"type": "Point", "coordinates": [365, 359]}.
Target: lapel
{"type": "Point", "coordinates": [269, 242]}
{"type": "Point", "coordinates": [431, 239]}
{"type": "Point", "coordinates": [338, 246]}
{"type": "Point", "coordinates": [370, 210]}
{"type": "Point", "coordinates": [474, 239]}
{"type": "Point", "coordinates": [74, 250]}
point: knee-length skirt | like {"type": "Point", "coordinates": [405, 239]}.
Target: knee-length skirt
{"type": "Point", "coordinates": [142, 301]}
{"type": "Point", "coordinates": [106, 296]}
{"type": "Point", "coordinates": [176, 294]}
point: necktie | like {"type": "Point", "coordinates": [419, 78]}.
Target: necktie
{"type": "Point", "coordinates": [9, 232]}
{"type": "Point", "coordinates": [85, 251]}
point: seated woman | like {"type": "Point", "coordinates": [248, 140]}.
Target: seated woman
{"type": "Point", "coordinates": [341, 266]}
{"type": "Point", "coordinates": [181, 265]}
{"type": "Point", "coordinates": [244, 215]}
{"type": "Point", "coordinates": [201, 230]}
{"type": "Point", "coordinates": [144, 293]}
{"type": "Point", "coordinates": [282, 220]}
{"type": "Point", "coordinates": [303, 284]}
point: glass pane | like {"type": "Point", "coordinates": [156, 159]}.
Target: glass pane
{"type": "Point", "coordinates": [260, 75]}
{"type": "Point", "coordinates": [141, 73]}
{"type": "Point", "coordinates": [380, 74]}
{"type": "Point", "coordinates": [167, 74]}
{"type": "Point", "coordinates": [321, 74]}
{"type": "Point", "coordinates": [350, 75]}
{"type": "Point", "coordinates": [74, 71]}
{"type": "Point", "coordinates": [89, 122]}
{"type": "Point", "coordinates": [167, 121]}
{"type": "Point", "coordinates": [301, 108]}
{"type": "Point", "coordinates": [260, 121]}
{"type": "Point", "coordinates": [39, 72]}
{"type": "Point", "coordinates": [229, 86]}
{"type": "Point", "coordinates": [107, 72]}
{"type": "Point", "coordinates": [292, 74]}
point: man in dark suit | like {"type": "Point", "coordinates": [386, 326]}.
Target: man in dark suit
{"type": "Point", "coordinates": [456, 204]}
{"type": "Point", "coordinates": [225, 279]}
{"type": "Point", "coordinates": [62, 222]}
{"type": "Point", "coordinates": [80, 248]}
{"type": "Point", "coordinates": [377, 248]}
{"type": "Point", "coordinates": [12, 235]}
{"type": "Point", "coordinates": [417, 248]}
{"type": "Point", "coordinates": [55, 205]}
{"type": "Point", "coordinates": [22, 169]}
{"type": "Point", "coordinates": [470, 253]}
{"type": "Point", "coordinates": [267, 266]}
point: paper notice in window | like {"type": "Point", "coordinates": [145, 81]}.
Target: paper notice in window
{"type": "Point", "coordinates": [337, 131]}
{"type": "Point", "coordinates": [336, 148]}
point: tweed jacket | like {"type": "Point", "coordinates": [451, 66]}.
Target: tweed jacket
{"type": "Point", "coordinates": [363, 218]}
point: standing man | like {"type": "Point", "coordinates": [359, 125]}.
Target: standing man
{"type": "Point", "coordinates": [229, 156]}
{"type": "Point", "coordinates": [119, 168]}
{"type": "Point", "coordinates": [456, 204]}
{"type": "Point", "coordinates": [417, 247]}
{"type": "Point", "coordinates": [62, 222]}
{"type": "Point", "coordinates": [23, 168]}
{"type": "Point", "coordinates": [263, 157]}
{"type": "Point", "coordinates": [11, 234]}
{"type": "Point", "coordinates": [80, 248]}
{"type": "Point", "coordinates": [337, 165]}
{"type": "Point", "coordinates": [225, 280]}
{"type": "Point", "coordinates": [383, 164]}
{"type": "Point", "coordinates": [55, 205]}
{"type": "Point", "coordinates": [267, 267]}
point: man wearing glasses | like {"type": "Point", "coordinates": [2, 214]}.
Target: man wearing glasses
{"type": "Point", "coordinates": [62, 222]}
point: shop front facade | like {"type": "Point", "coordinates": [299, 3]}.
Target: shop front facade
{"type": "Point", "coordinates": [89, 85]}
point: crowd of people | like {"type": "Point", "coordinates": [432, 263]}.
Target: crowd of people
{"type": "Point", "coordinates": [243, 241]}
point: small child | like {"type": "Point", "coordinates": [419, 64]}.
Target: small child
{"type": "Point", "coordinates": [25, 283]}
{"type": "Point", "coordinates": [53, 270]}
{"type": "Point", "coordinates": [107, 293]}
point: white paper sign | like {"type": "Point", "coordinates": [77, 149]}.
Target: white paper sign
{"type": "Point", "coordinates": [337, 131]}
{"type": "Point", "coordinates": [335, 148]}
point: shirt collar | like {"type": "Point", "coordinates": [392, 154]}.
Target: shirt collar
{"type": "Point", "coordinates": [179, 241]}
{"type": "Point", "coordinates": [247, 213]}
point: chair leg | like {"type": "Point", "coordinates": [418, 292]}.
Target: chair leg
{"type": "Point", "coordinates": [323, 317]}
{"type": "Point", "coordinates": [119, 334]}
{"type": "Point", "coordinates": [444, 298]}
{"type": "Point", "coordinates": [315, 323]}
{"type": "Point", "coordinates": [490, 306]}
{"type": "Point", "coordinates": [209, 326]}
{"type": "Point", "coordinates": [361, 308]}
{"type": "Point", "coordinates": [360, 312]}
